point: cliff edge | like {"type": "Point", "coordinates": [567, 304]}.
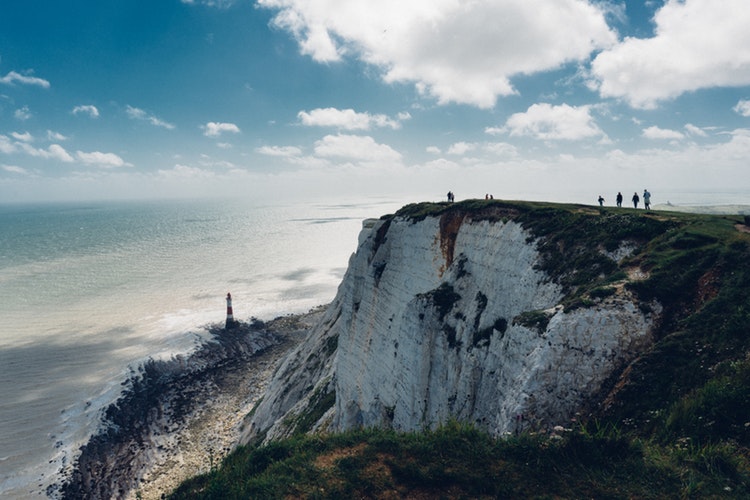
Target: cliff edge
{"type": "Point", "coordinates": [509, 316]}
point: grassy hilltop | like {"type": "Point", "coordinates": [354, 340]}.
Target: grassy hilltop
{"type": "Point", "coordinates": [673, 424]}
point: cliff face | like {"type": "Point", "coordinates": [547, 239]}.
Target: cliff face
{"type": "Point", "coordinates": [456, 315]}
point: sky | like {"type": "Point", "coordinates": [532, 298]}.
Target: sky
{"type": "Point", "coordinates": [557, 100]}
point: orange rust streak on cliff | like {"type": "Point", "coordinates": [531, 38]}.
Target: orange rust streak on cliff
{"type": "Point", "coordinates": [450, 223]}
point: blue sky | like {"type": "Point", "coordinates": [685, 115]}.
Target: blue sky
{"type": "Point", "coordinates": [557, 100]}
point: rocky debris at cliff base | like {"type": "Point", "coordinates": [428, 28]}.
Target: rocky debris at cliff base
{"type": "Point", "coordinates": [180, 417]}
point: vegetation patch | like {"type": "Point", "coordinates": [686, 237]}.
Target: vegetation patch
{"type": "Point", "coordinates": [458, 461]}
{"type": "Point", "coordinates": [483, 336]}
{"type": "Point", "coordinates": [602, 292]}
{"type": "Point", "coordinates": [443, 298]}
{"type": "Point", "coordinates": [320, 402]}
{"type": "Point", "coordinates": [533, 320]}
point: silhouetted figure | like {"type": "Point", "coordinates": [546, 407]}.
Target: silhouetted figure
{"type": "Point", "coordinates": [601, 201]}
{"type": "Point", "coordinates": [636, 199]}
{"type": "Point", "coordinates": [647, 199]}
{"type": "Point", "coordinates": [619, 199]}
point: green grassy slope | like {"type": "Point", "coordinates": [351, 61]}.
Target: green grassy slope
{"type": "Point", "coordinates": [673, 424]}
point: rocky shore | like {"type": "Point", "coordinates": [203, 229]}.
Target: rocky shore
{"type": "Point", "coordinates": [179, 417]}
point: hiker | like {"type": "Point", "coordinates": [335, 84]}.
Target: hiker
{"type": "Point", "coordinates": [647, 199]}
{"type": "Point", "coordinates": [601, 201]}
{"type": "Point", "coordinates": [450, 196]}
{"type": "Point", "coordinates": [619, 199]}
{"type": "Point", "coordinates": [636, 199]}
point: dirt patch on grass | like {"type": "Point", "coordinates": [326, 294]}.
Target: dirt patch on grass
{"type": "Point", "coordinates": [328, 460]}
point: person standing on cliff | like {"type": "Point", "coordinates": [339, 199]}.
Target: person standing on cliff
{"type": "Point", "coordinates": [647, 199]}
{"type": "Point", "coordinates": [601, 201]}
{"type": "Point", "coordinates": [636, 199]}
{"type": "Point", "coordinates": [619, 199]}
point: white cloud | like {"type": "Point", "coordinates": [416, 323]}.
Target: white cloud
{"type": "Point", "coordinates": [25, 137]}
{"type": "Point", "coordinates": [105, 160]}
{"type": "Point", "coordinates": [221, 4]}
{"type": "Point", "coordinates": [501, 149]}
{"type": "Point", "coordinates": [434, 150]}
{"type": "Point", "coordinates": [461, 148]}
{"type": "Point", "coordinates": [742, 108]}
{"type": "Point", "coordinates": [697, 131]}
{"type": "Point", "coordinates": [655, 132]}
{"type": "Point", "coordinates": [53, 152]}
{"type": "Point", "coordinates": [14, 77]}
{"type": "Point", "coordinates": [348, 119]}
{"type": "Point", "coordinates": [23, 114]}
{"type": "Point", "coordinates": [86, 109]}
{"type": "Point", "coordinates": [55, 136]}
{"type": "Point", "coordinates": [697, 44]}
{"type": "Point", "coordinates": [58, 152]}
{"type": "Point", "coordinates": [548, 122]}
{"type": "Point", "coordinates": [14, 169]}
{"type": "Point", "coordinates": [139, 114]}
{"type": "Point", "coordinates": [355, 147]}
{"type": "Point", "coordinates": [462, 52]}
{"type": "Point", "coordinates": [6, 145]}
{"type": "Point", "coordinates": [215, 129]}
{"type": "Point", "coordinates": [282, 151]}
{"type": "Point", "coordinates": [183, 172]}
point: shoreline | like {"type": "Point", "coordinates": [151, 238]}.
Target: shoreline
{"type": "Point", "coordinates": [180, 417]}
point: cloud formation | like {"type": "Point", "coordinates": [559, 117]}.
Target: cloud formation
{"type": "Point", "coordinates": [216, 129]}
{"type": "Point", "coordinates": [22, 143]}
{"type": "Point", "coordinates": [742, 108]}
{"type": "Point", "coordinates": [104, 160]}
{"type": "Point", "coordinates": [280, 151]}
{"type": "Point", "coordinates": [86, 109]}
{"type": "Point", "coordinates": [348, 119]}
{"type": "Point", "coordinates": [53, 152]}
{"type": "Point", "coordinates": [23, 114]}
{"type": "Point", "coordinates": [547, 122]}
{"type": "Point", "coordinates": [221, 4]}
{"type": "Point", "coordinates": [355, 147]}
{"type": "Point", "coordinates": [14, 77]}
{"type": "Point", "coordinates": [25, 137]}
{"type": "Point", "coordinates": [139, 114]}
{"type": "Point", "coordinates": [460, 52]}
{"type": "Point", "coordinates": [655, 132]}
{"type": "Point", "coordinates": [13, 169]}
{"type": "Point", "coordinates": [697, 44]}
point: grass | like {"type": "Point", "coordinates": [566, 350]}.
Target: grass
{"type": "Point", "coordinates": [673, 424]}
{"type": "Point", "coordinates": [458, 461]}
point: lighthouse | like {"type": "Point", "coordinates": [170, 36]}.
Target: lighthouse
{"type": "Point", "coordinates": [230, 317]}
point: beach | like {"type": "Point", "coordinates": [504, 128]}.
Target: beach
{"type": "Point", "coordinates": [180, 418]}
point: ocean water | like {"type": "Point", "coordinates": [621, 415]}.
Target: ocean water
{"type": "Point", "coordinates": [88, 291]}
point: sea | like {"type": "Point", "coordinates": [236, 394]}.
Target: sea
{"type": "Point", "coordinates": [88, 291]}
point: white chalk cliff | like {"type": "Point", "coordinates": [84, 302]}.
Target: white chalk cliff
{"type": "Point", "coordinates": [451, 317]}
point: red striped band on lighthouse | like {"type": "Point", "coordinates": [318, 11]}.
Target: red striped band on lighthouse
{"type": "Point", "coordinates": [230, 316]}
